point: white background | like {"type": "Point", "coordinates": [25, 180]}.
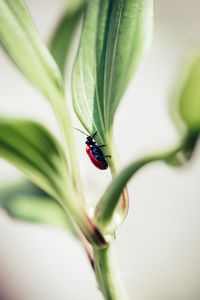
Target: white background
{"type": "Point", "coordinates": [159, 243]}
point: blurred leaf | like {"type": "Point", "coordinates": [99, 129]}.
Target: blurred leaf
{"type": "Point", "coordinates": [61, 40]}
{"type": "Point", "coordinates": [189, 97]}
{"type": "Point", "coordinates": [25, 201]}
{"type": "Point", "coordinates": [114, 37]}
{"type": "Point", "coordinates": [33, 150]}
{"type": "Point", "coordinates": [20, 38]}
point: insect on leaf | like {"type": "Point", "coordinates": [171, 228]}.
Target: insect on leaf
{"type": "Point", "coordinates": [115, 36]}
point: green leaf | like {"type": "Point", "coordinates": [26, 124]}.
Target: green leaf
{"type": "Point", "coordinates": [33, 150]}
{"type": "Point", "coordinates": [61, 40]}
{"type": "Point", "coordinates": [189, 96]}
{"type": "Point", "coordinates": [106, 213]}
{"type": "Point", "coordinates": [114, 37]}
{"type": "Point", "coordinates": [25, 201]}
{"type": "Point", "coordinates": [20, 38]}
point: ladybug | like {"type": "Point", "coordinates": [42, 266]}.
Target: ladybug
{"type": "Point", "coordinates": [94, 152]}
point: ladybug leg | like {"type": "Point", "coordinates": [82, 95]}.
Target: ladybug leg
{"type": "Point", "coordinates": [107, 156]}
{"type": "Point", "coordinates": [101, 146]}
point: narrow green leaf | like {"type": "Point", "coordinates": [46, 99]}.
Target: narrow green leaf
{"type": "Point", "coordinates": [25, 201]}
{"type": "Point", "coordinates": [124, 32]}
{"type": "Point", "coordinates": [84, 73]}
{"type": "Point", "coordinates": [33, 150]}
{"type": "Point", "coordinates": [106, 215]}
{"type": "Point", "coordinates": [189, 96]}
{"type": "Point", "coordinates": [114, 37]}
{"type": "Point", "coordinates": [61, 40]}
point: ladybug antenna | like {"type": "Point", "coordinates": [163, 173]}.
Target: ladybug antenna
{"type": "Point", "coordinates": [80, 131]}
{"type": "Point", "coordinates": [94, 134]}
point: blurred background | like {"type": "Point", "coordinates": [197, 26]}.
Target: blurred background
{"type": "Point", "coordinates": [159, 243]}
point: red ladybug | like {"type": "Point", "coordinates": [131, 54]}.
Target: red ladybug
{"type": "Point", "coordinates": [94, 152]}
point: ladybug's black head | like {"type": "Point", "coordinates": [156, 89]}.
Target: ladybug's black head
{"type": "Point", "coordinates": [89, 140]}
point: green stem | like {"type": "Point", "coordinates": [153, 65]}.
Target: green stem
{"type": "Point", "coordinates": [78, 215]}
{"type": "Point", "coordinates": [108, 274]}
{"type": "Point", "coordinates": [65, 124]}
{"type": "Point", "coordinates": [114, 161]}
{"type": "Point", "coordinates": [121, 209]}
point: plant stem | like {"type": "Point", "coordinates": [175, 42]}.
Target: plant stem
{"type": "Point", "coordinates": [108, 274]}
{"type": "Point", "coordinates": [64, 122]}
